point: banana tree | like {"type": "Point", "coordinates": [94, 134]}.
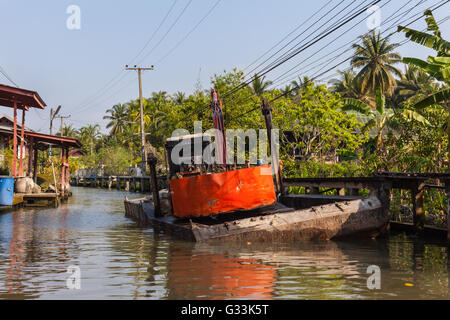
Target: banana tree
{"type": "Point", "coordinates": [380, 116]}
{"type": "Point", "coordinates": [438, 67]}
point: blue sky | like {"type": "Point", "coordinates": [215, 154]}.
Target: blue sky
{"type": "Point", "coordinates": [70, 67]}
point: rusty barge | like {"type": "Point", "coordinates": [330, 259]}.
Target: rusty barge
{"type": "Point", "coordinates": [223, 202]}
{"type": "Point", "coordinates": [357, 218]}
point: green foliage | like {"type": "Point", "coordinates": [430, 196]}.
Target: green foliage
{"type": "Point", "coordinates": [318, 126]}
{"type": "Point", "coordinates": [314, 169]}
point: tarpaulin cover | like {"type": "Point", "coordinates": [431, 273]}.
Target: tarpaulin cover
{"type": "Point", "coordinates": [212, 194]}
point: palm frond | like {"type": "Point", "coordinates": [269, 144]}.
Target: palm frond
{"type": "Point", "coordinates": [355, 105]}
{"type": "Point", "coordinates": [441, 96]}
{"type": "Point", "coordinates": [411, 115]}
{"type": "Point", "coordinates": [425, 39]}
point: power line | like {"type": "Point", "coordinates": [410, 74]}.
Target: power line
{"type": "Point", "coordinates": [190, 32]}
{"type": "Point", "coordinates": [287, 36]}
{"type": "Point", "coordinates": [326, 71]}
{"type": "Point", "coordinates": [115, 79]}
{"type": "Point", "coordinates": [5, 74]}
{"type": "Point", "coordinates": [420, 15]}
{"type": "Point", "coordinates": [324, 34]}
{"type": "Point", "coordinates": [167, 32]}
{"type": "Point", "coordinates": [288, 73]}
{"type": "Point", "coordinates": [112, 95]}
{"type": "Point", "coordinates": [155, 32]}
{"type": "Point", "coordinates": [302, 42]}
{"type": "Point", "coordinates": [299, 35]}
{"type": "Point", "coordinates": [300, 50]}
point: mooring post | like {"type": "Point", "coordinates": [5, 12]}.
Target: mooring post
{"type": "Point", "coordinates": [267, 113]}
{"type": "Point", "coordinates": [447, 190]}
{"type": "Point", "coordinates": [418, 211]}
{"type": "Point", "coordinates": [151, 161]}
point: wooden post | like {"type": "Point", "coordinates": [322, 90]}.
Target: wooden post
{"type": "Point", "coordinates": [14, 164]}
{"type": "Point", "coordinates": [30, 157]}
{"type": "Point", "coordinates": [63, 178]}
{"type": "Point", "coordinates": [447, 189]}
{"type": "Point", "coordinates": [67, 167]}
{"type": "Point", "coordinates": [418, 211]}
{"type": "Point", "coordinates": [151, 161]}
{"type": "Point", "coordinates": [35, 162]}
{"type": "Point", "coordinates": [22, 136]}
{"type": "Point", "coordinates": [267, 113]}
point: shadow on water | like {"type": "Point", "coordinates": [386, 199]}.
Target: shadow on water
{"type": "Point", "coordinates": [119, 260]}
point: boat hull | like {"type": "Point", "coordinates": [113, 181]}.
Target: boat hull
{"type": "Point", "coordinates": [359, 218]}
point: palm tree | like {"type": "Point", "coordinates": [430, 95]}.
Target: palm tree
{"type": "Point", "coordinates": [118, 116]}
{"type": "Point", "coordinates": [414, 82]}
{"type": "Point", "coordinates": [152, 115]}
{"type": "Point", "coordinates": [259, 86]}
{"type": "Point", "coordinates": [300, 83]}
{"type": "Point", "coordinates": [89, 135]}
{"type": "Point", "coordinates": [180, 98]}
{"type": "Point", "coordinates": [349, 86]}
{"type": "Point", "coordinates": [376, 58]}
{"type": "Point", "coordinates": [69, 131]}
{"type": "Point", "coordinates": [288, 91]}
{"type": "Point", "coordinates": [159, 98]}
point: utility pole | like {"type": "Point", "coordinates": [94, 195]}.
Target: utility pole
{"type": "Point", "coordinates": [139, 70]}
{"type": "Point", "coordinates": [62, 122]}
{"type": "Point", "coordinates": [52, 117]}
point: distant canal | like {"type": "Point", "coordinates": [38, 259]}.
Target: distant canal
{"type": "Point", "coordinates": [118, 260]}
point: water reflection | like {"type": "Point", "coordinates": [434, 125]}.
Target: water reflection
{"type": "Point", "coordinates": [119, 260]}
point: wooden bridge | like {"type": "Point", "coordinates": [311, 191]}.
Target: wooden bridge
{"type": "Point", "coordinates": [127, 183]}
{"type": "Point", "coordinates": [382, 185]}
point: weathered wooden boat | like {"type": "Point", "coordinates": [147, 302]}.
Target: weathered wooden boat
{"type": "Point", "coordinates": [205, 203]}
{"type": "Point", "coordinates": [358, 218]}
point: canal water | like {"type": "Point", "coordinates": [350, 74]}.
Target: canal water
{"type": "Point", "coordinates": [118, 260]}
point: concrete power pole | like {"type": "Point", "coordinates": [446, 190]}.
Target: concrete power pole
{"type": "Point", "coordinates": [62, 122]}
{"type": "Point", "coordinates": [139, 70]}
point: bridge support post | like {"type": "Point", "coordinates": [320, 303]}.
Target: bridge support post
{"type": "Point", "coordinates": [447, 190]}
{"type": "Point", "coordinates": [151, 161]}
{"type": "Point", "coordinates": [418, 210]}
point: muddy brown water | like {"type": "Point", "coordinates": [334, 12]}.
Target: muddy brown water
{"type": "Point", "coordinates": [118, 260]}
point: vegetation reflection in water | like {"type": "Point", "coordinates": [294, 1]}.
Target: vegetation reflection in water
{"type": "Point", "coordinates": [119, 260]}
